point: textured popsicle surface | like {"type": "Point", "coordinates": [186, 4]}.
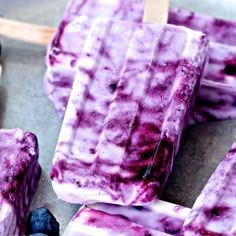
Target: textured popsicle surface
{"type": "Point", "coordinates": [66, 48]}
{"type": "Point", "coordinates": [216, 99]}
{"type": "Point", "coordinates": [226, 30]}
{"type": "Point", "coordinates": [127, 111]}
{"type": "Point", "coordinates": [19, 178]}
{"type": "Point", "coordinates": [214, 212]}
{"type": "Point", "coordinates": [90, 222]}
{"type": "Point", "coordinates": [162, 216]}
{"type": "Point", "coordinates": [65, 51]}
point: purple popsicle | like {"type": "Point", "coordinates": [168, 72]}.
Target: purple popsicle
{"type": "Point", "coordinates": [214, 211]}
{"type": "Point", "coordinates": [130, 102]}
{"type": "Point", "coordinates": [20, 173]}
{"type": "Point", "coordinates": [91, 222]}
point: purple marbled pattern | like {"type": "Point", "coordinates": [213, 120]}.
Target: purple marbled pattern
{"type": "Point", "coordinates": [91, 222]}
{"type": "Point", "coordinates": [127, 111]}
{"type": "Point", "coordinates": [217, 97]}
{"type": "Point", "coordinates": [161, 216]}
{"type": "Point", "coordinates": [19, 178]}
{"type": "Point", "coordinates": [217, 30]}
{"type": "Point", "coordinates": [214, 211]}
{"type": "Point", "coordinates": [64, 53]}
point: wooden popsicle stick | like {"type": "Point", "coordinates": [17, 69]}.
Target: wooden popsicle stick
{"type": "Point", "coordinates": [156, 11]}
{"type": "Point", "coordinates": [26, 32]}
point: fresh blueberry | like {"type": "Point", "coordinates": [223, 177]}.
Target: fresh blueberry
{"type": "Point", "coordinates": [41, 221]}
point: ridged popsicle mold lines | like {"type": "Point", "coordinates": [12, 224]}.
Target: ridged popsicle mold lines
{"type": "Point", "coordinates": [129, 95]}
{"type": "Point", "coordinates": [111, 157]}
{"type": "Point", "coordinates": [103, 99]}
{"type": "Point", "coordinates": [127, 100]}
{"type": "Point", "coordinates": [62, 58]}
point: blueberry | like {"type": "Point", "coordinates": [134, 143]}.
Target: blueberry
{"type": "Point", "coordinates": [230, 69]}
{"type": "Point", "coordinates": [113, 87]}
{"type": "Point", "coordinates": [42, 221]}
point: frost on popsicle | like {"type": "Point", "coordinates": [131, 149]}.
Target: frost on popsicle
{"type": "Point", "coordinates": [19, 178]}
{"type": "Point", "coordinates": [214, 211]}
{"type": "Point", "coordinates": [129, 105]}
{"type": "Point", "coordinates": [65, 50]}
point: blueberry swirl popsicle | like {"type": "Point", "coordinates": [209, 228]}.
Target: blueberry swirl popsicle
{"type": "Point", "coordinates": [215, 101]}
{"type": "Point", "coordinates": [160, 218]}
{"type": "Point", "coordinates": [20, 173]}
{"type": "Point", "coordinates": [91, 222]}
{"type": "Point", "coordinates": [130, 102]}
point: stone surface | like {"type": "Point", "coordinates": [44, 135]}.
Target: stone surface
{"type": "Point", "coordinates": [23, 104]}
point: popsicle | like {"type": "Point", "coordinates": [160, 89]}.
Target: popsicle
{"type": "Point", "coordinates": [20, 173]}
{"type": "Point", "coordinates": [66, 47]}
{"type": "Point", "coordinates": [129, 105]}
{"type": "Point", "coordinates": [216, 98]}
{"type": "Point", "coordinates": [215, 101]}
{"type": "Point", "coordinates": [90, 222]}
{"type": "Point", "coordinates": [163, 217]}
{"type": "Point", "coordinates": [214, 211]}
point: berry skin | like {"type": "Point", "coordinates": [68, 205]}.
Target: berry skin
{"type": "Point", "coordinates": [42, 222]}
{"type": "Point", "coordinates": [38, 234]}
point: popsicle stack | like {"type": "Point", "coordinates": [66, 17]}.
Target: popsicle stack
{"type": "Point", "coordinates": [216, 98]}
{"type": "Point", "coordinates": [134, 87]}
{"type": "Point", "coordinates": [134, 84]}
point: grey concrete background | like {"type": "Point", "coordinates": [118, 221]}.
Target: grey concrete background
{"type": "Point", "coordinates": [23, 104]}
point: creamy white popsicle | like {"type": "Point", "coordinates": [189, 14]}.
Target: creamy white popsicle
{"type": "Point", "coordinates": [129, 105]}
